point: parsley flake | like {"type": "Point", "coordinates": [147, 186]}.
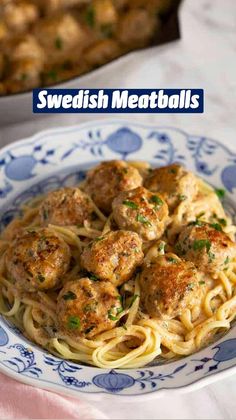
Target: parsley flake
{"type": "Point", "coordinates": [41, 278]}
{"type": "Point", "coordinates": [69, 295]}
{"type": "Point", "coordinates": [220, 192]}
{"type": "Point", "coordinates": [130, 204]}
{"type": "Point", "coordinates": [216, 226]}
{"type": "Point", "coordinates": [90, 17]}
{"type": "Point", "coordinates": [200, 244]}
{"type": "Point", "coordinates": [157, 200]}
{"type": "Point", "coordinates": [73, 322]}
{"type": "Point", "coordinates": [58, 43]}
{"type": "Point", "coordinates": [142, 219]}
{"type": "Point", "coordinates": [172, 260]}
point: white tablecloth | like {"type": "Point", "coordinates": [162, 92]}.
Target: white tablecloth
{"type": "Point", "coordinates": [204, 58]}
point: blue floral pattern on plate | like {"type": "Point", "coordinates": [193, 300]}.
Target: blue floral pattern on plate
{"type": "Point", "coordinates": [61, 157]}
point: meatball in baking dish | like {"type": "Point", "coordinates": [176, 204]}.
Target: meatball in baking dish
{"type": "Point", "coordinates": [207, 246]}
{"type": "Point", "coordinates": [141, 211]}
{"type": "Point", "coordinates": [107, 180]}
{"type": "Point", "coordinates": [169, 286]}
{"type": "Point", "coordinates": [67, 206]}
{"type": "Point", "coordinates": [114, 256]}
{"type": "Point", "coordinates": [174, 183]}
{"type": "Point", "coordinates": [37, 260]}
{"type": "Point", "coordinates": [86, 308]}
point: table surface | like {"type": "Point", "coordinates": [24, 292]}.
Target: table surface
{"type": "Point", "coordinates": [204, 58]}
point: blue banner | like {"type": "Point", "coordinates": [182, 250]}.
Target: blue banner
{"type": "Point", "coordinates": [114, 101]}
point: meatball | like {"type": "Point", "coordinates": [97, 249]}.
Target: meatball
{"type": "Point", "coordinates": [67, 206]}
{"type": "Point", "coordinates": [19, 16]}
{"type": "Point", "coordinates": [37, 260]}
{"type": "Point", "coordinates": [114, 256]}
{"type": "Point", "coordinates": [174, 183]}
{"type": "Point", "coordinates": [105, 181]}
{"type": "Point", "coordinates": [61, 36]}
{"type": "Point", "coordinates": [86, 308]}
{"type": "Point", "coordinates": [104, 12]}
{"type": "Point", "coordinates": [136, 28]}
{"type": "Point", "coordinates": [206, 246]}
{"type": "Point", "coordinates": [102, 51]}
{"type": "Point", "coordinates": [169, 286]}
{"type": "Point", "coordinates": [141, 211]}
{"type": "Point", "coordinates": [26, 64]}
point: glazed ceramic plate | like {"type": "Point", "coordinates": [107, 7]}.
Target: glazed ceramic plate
{"type": "Point", "coordinates": [60, 157]}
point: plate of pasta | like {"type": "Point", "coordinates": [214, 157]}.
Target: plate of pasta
{"type": "Point", "coordinates": [117, 259]}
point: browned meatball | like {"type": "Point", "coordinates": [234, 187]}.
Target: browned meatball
{"type": "Point", "coordinates": [141, 211]}
{"type": "Point", "coordinates": [102, 51]}
{"type": "Point", "coordinates": [136, 28]}
{"type": "Point", "coordinates": [207, 246]}
{"type": "Point", "coordinates": [114, 256]}
{"type": "Point", "coordinates": [169, 286]}
{"type": "Point", "coordinates": [67, 206]}
{"type": "Point", "coordinates": [174, 183]}
{"type": "Point", "coordinates": [86, 308]}
{"type": "Point", "coordinates": [37, 260]}
{"type": "Point", "coordinates": [106, 180]}
{"type": "Point", "coordinates": [19, 16]}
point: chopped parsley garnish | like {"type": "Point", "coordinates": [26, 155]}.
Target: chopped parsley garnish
{"type": "Point", "coordinates": [222, 222]}
{"type": "Point", "coordinates": [52, 74]}
{"type": "Point", "coordinates": [124, 326]}
{"type": "Point", "coordinates": [220, 192]}
{"type": "Point", "coordinates": [161, 247]}
{"type": "Point", "coordinates": [24, 77]}
{"type": "Point", "coordinates": [73, 322]}
{"type": "Point", "coordinates": [99, 238]}
{"type": "Point", "coordinates": [90, 16]}
{"type": "Point", "coordinates": [119, 310]}
{"type": "Point", "coordinates": [200, 215]}
{"type": "Point", "coordinates": [41, 278]}
{"type": "Point", "coordinates": [172, 171]}
{"type": "Point", "coordinates": [200, 244]}
{"type": "Point", "coordinates": [211, 256]}
{"type": "Point", "coordinates": [120, 299]}
{"type": "Point", "coordinates": [58, 43]}
{"type": "Point", "coordinates": [113, 312]}
{"type": "Point", "coordinates": [201, 282]}
{"type": "Point", "coordinates": [182, 197]}
{"type": "Point", "coordinates": [133, 300]}
{"type": "Point", "coordinates": [226, 261]}
{"type": "Point", "coordinates": [143, 219]}
{"type": "Point", "coordinates": [216, 226]}
{"type": "Point", "coordinates": [111, 316]}
{"type": "Point", "coordinates": [93, 277]}
{"type": "Point", "coordinates": [157, 200]}
{"type": "Point", "coordinates": [190, 286]}
{"type": "Point", "coordinates": [172, 260]}
{"type": "Point", "coordinates": [69, 295]}
{"type": "Point", "coordinates": [130, 204]}
{"type": "Point", "coordinates": [196, 222]}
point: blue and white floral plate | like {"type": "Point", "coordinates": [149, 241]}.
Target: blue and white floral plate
{"type": "Point", "coordinates": [60, 157]}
